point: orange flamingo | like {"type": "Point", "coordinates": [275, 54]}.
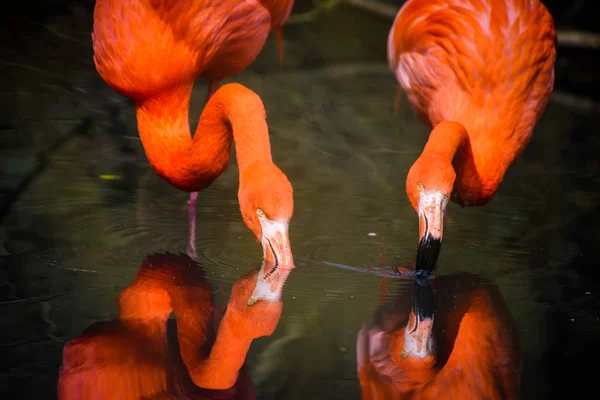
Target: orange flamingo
{"type": "Point", "coordinates": [152, 52]}
{"type": "Point", "coordinates": [132, 358]}
{"type": "Point", "coordinates": [479, 72]}
{"type": "Point", "coordinates": [471, 352]}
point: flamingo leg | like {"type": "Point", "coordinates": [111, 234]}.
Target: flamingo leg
{"type": "Point", "coordinates": [279, 36]}
{"type": "Point", "coordinates": [191, 247]}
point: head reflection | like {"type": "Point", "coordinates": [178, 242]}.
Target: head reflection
{"type": "Point", "coordinates": [144, 354]}
{"type": "Point", "coordinates": [451, 337]}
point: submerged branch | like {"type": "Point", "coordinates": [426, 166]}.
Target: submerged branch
{"type": "Point", "coordinates": [581, 39]}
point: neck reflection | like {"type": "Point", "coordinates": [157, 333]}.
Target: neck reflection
{"type": "Point", "coordinates": [142, 353]}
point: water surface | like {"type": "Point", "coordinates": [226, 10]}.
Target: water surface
{"type": "Point", "coordinates": [81, 209]}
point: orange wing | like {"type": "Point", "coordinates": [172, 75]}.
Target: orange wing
{"type": "Point", "coordinates": [142, 47]}
{"type": "Point", "coordinates": [492, 51]}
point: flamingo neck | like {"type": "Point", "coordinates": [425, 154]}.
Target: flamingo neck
{"type": "Point", "coordinates": [195, 332]}
{"type": "Point", "coordinates": [446, 139]}
{"type": "Point", "coordinates": [478, 161]}
{"type": "Point", "coordinates": [221, 368]}
{"type": "Point", "coordinates": [233, 113]}
{"type": "Point", "coordinates": [240, 325]}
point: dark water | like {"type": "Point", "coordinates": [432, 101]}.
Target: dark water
{"type": "Point", "coordinates": [70, 240]}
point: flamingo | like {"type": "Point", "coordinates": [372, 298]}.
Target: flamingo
{"type": "Point", "coordinates": [132, 358]}
{"type": "Point", "coordinates": [152, 51]}
{"type": "Point", "coordinates": [471, 352]}
{"type": "Point", "coordinates": [480, 73]}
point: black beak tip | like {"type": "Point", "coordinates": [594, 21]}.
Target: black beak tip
{"type": "Point", "coordinates": [428, 252]}
{"type": "Point", "coordinates": [423, 305]}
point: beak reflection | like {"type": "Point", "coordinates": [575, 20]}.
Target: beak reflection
{"type": "Point", "coordinates": [278, 262]}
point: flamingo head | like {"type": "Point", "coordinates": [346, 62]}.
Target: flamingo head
{"type": "Point", "coordinates": [429, 186]}
{"type": "Point", "coordinates": [248, 315]}
{"type": "Point", "coordinates": [267, 204]}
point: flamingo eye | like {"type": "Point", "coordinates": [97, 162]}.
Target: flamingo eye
{"type": "Point", "coordinates": [260, 212]}
{"type": "Point", "coordinates": [420, 187]}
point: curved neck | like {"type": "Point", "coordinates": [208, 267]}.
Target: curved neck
{"type": "Point", "coordinates": [195, 334]}
{"type": "Point", "coordinates": [220, 369]}
{"type": "Point", "coordinates": [446, 139]}
{"type": "Point", "coordinates": [233, 113]}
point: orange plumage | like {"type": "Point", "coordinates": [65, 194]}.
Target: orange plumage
{"type": "Point", "coordinates": [152, 51]}
{"type": "Point", "coordinates": [132, 357]}
{"type": "Point", "coordinates": [480, 72]}
{"type": "Point", "coordinates": [474, 352]}
{"type": "Point", "coordinates": [144, 46]}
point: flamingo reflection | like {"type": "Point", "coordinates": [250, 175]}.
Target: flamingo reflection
{"type": "Point", "coordinates": [470, 352]}
{"type": "Point", "coordinates": [141, 355]}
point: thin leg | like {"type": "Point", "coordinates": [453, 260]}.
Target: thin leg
{"type": "Point", "coordinates": [191, 247]}
{"type": "Point", "coordinates": [279, 36]}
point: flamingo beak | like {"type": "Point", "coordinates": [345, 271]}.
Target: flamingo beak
{"type": "Point", "coordinates": [432, 208]}
{"type": "Point", "coordinates": [419, 342]}
{"type": "Point", "coordinates": [277, 264]}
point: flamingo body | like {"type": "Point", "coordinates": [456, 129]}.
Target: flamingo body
{"type": "Point", "coordinates": [143, 47]}
{"type": "Point", "coordinates": [486, 64]}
